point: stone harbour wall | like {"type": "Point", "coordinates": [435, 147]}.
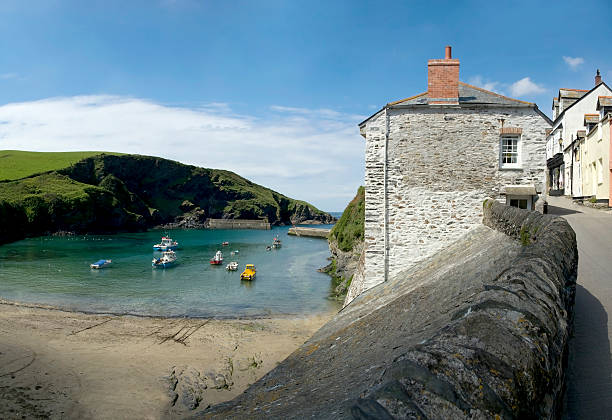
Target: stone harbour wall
{"type": "Point", "coordinates": [237, 224]}
{"type": "Point", "coordinates": [477, 331]}
{"type": "Point", "coordinates": [441, 163]}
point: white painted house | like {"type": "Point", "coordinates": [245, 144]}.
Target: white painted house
{"type": "Point", "coordinates": [574, 113]}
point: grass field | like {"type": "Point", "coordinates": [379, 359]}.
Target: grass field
{"type": "Point", "coordinates": [16, 164]}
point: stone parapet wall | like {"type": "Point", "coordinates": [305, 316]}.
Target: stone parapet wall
{"type": "Point", "coordinates": [477, 331]}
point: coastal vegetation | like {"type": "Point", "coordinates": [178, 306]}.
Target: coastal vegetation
{"type": "Point", "coordinates": [111, 192]}
{"type": "Point", "coordinates": [346, 244]}
{"type": "Point", "coordinates": [16, 164]}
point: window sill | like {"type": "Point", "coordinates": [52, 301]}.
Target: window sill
{"type": "Point", "coordinates": [511, 168]}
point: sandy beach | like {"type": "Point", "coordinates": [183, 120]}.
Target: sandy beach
{"type": "Point", "coordinates": [69, 365]}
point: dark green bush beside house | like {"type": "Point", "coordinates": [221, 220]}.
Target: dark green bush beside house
{"type": "Point", "coordinates": [346, 244]}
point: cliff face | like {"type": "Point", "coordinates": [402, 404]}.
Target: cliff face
{"type": "Point", "coordinates": [346, 244]}
{"type": "Point", "coordinates": [106, 193]}
{"type": "Point", "coordinates": [479, 330]}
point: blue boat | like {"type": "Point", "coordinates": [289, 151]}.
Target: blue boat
{"type": "Point", "coordinates": [168, 259]}
{"type": "Point", "coordinates": [100, 264]}
{"type": "Point", "coordinates": [166, 244]}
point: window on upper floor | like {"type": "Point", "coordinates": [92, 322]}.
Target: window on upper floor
{"type": "Point", "coordinates": [510, 152]}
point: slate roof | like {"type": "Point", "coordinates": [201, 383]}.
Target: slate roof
{"type": "Point", "coordinates": [604, 101]}
{"type": "Point", "coordinates": [572, 93]}
{"type": "Point", "coordinates": [468, 94]}
{"type": "Point", "coordinates": [591, 118]}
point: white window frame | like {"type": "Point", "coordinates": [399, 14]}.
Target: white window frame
{"type": "Point", "coordinates": [527, 198]}
{"type": "Point", "coordinates": [510, 165]}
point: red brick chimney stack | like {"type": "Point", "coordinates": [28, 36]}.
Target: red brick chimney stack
{"type": "Point", "coordinates": [443, 80]}
{"type": "Point", "coordinates": [597, 78]}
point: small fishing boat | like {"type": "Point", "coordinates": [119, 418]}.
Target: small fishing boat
{"type": "Point", "coordinates": [166, 244]}
{"type": "Point", "coordinates": [248, 273]}
{"type": "Point", "coordinates": [217, 259]}
{"type": "Point", "coordinates": [269, 248]}
{"type": "Point", "coordinates": [277, 243]}
{"type": "Point", "coordinates": [233, 266]}
{"type": "Point", "coordinates": [100, 264]}
{"type": "Point", "coordinates": [167, 259]}
{"type": "Point", "coordinates": [225, 243]}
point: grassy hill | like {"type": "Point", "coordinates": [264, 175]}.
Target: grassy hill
{"type": "Point", "coordinates": [16, 164]}
{"type": "Point", "coordinates": [111, 192]}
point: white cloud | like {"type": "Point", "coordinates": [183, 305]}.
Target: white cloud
{"type": "Point", "coordinates": [525, 87]}
{"type": "Point", "coordinates": [488, 85]}
{"type": "Point", "coordinates": [314, 155]}
{"type": "Point", "coordinates": [573, 62]}
{"type": "Point", "coordinates": [6, 76]}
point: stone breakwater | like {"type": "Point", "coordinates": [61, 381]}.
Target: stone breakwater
{"type": "Point", "coordinates": [237, 224]}
{"type": "Point", "coordinates": [312, 232]}
{"type": "Point", "coordinates": [478, 330]}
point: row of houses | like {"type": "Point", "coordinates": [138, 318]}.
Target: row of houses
{"type": "Point", "coordinates": [578, 157]}
{"type": "Point", "coordinates": [432, 158]}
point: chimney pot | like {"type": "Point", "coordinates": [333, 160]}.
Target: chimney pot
{"type": "Point", "coordinates": [448, 54]}
{"type": "Point", "coordinates": [597, 78]}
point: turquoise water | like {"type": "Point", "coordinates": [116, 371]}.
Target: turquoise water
{"type": "Point", "coordinates": [55, 271]}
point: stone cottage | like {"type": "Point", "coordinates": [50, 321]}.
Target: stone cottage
{"type": "Point", "coordinates": [431, 160]}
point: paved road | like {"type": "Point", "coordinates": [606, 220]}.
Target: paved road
{"type": "Point", "coordinates": [589, 392]}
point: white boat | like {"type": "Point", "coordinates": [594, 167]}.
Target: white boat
{"type": "Point", "coordinates": [166, 244]}
{"type": "Point", "coordinates": [277, 243]}
{"type": "Point", "coordinates": [100, 264]}
{"type": "Point", "coordinates": [168, 259]}
{"type": "Point", "coordinates": [233, 266]}
{"type": "Point", "coordinates": [217, 259]}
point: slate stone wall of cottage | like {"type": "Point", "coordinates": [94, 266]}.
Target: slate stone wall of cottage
{"type": "Point", "coordinates": [442, 162]}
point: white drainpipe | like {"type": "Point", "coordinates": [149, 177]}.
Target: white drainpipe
{"type": "Point", "coordinates": [386, 200]}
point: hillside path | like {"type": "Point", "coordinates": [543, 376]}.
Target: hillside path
{"type": "Point", "coordinates": [589, 391]}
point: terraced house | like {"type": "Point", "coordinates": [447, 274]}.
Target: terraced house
{"type": "Point", "coordinates": [431, 160]}
{"type": "Point", "coordinates": [576, 113]}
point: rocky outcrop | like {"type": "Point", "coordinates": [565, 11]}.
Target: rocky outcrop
{"type": "Point", "coordinates": [346, 245]}
{"type": "Point", "coordinates": [478, 331]}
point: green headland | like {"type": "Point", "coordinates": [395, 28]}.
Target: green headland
{"type": "Point", "coordinates": [94, 192]}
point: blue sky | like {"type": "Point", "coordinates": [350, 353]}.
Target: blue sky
{"type": "Point", "coordinates": [270, 89]}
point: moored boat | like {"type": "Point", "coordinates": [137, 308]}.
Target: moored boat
{"type": "Point", "coordinates": [248, 273]}
{"type": "Point", "coordinates": [277, 243]}
{"type": "Point", "coordinates": [100, 264]}
{"type": "Point", "coordinates": [225, 243]}
{"type": "Point", "coordinates": [168, 259]}
{"type": "Point", "coordinates": [166, 244]}
{"type": "Point", "coordinates": [233, 266]}
{"type": "Point", "coordinates": [217, 259]}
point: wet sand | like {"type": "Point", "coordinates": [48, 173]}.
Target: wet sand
{"type": "Point", "coordinates": [72, 365]}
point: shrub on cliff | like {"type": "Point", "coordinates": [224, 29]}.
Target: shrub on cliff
{"type": "Point", "coordinates": [350, 228]}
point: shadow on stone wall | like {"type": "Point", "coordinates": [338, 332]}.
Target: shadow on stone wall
{"type": "Point", "coordinates": [589, 362]}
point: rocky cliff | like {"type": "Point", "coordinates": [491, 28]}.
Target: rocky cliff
{"type": "Point", "coordinates": [477, 331]}
{"type": "Point", "coordinates": [107, 193]}
{"type": "Point", "coordinates": [346, 244]}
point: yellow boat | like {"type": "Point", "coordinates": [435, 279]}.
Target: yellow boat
{"type": "Point", "coordinates": [248, 273]}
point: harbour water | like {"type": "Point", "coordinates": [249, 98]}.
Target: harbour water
{"type": "Point", "coordinates": [55, 271]}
